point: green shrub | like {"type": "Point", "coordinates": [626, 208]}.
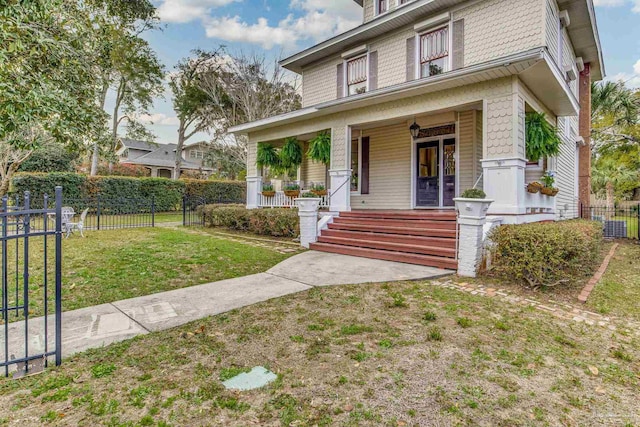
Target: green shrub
{"type": "Point", "coordinates": [545, 254]}
{"type": "Point", "coordinates": [473, 193]}
{"type": "Point", "coordinates": [268, 222]}
{"type": "Point", "coordinates": [113, 190]}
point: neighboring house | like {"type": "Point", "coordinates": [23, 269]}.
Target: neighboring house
{"type": "Point", "coordinates": [160, 159]}
{"type": "Point", "coordinates": [466, 71]}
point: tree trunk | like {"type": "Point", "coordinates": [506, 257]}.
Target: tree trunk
{"type": "Point", "coordinates": [610, 200]}
{"type": "Point", "coordinates": [181, 131]}
{"type": "Point", "coordinates": [4, 186]}
{"type": "Point", "coordinates": [6, 179]}
{"type": "Point", "coordinates": [96, 147]}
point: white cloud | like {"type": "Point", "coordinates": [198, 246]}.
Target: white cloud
{"type": "Point", "coordinates": [159, 119]}
{"type": "Point", "coordinates": [314, 20]}
{"type": "Point", "coordinates": [631, 79]}
{"type": "Point", "coordinates": [617, 3]}
{"type": "Point", "coordinates": [182, 11]}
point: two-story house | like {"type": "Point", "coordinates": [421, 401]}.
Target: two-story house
{"type": "Point", "coordinates": [428, 98]}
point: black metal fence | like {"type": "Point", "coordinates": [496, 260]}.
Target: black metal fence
{"type": "Point", "coordinates": [31, 277]}
{"type": "Point", "coordinates": [617, 222]}
{"type": "Point", "coordinates": [192, 208]}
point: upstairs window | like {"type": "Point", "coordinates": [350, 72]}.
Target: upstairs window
{"type": "Point", "coordinates": [196, 154]}
{"type": "Point", "coordinates": [357, 75]}
{"type": "Point", "coordinates": [434, 52]}
{"type": "Point", "coordinates": [383, 6]}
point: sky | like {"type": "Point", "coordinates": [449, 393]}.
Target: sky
{"type": "Point", "coordinates": [279, 28]}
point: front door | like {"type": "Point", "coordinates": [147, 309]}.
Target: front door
{"type": "Point", "coordinates": [428, 172]}
{"type": "Point", "coordinates": [448, 172]}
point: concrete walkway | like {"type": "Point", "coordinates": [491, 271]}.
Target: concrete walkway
{"type": "Point", "coordinates": [104, 324]}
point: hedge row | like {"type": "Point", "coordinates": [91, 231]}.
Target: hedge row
{"type": "Point", "coordinates": [267, 222]}
{"type": "Point", "coordinates": [167, 193]}
{"type": "Point", "coordinates": [545, 254]}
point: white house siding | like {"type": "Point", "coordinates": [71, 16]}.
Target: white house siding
{"type": "Point", "coordinates": [515, 26]}
{"type": "Point", "coordinates": [368, 10]}
{"type": "Point", "coordinates": [466, 149]}
{"type": "Point", "coordinates": [389, 169]}
{"type": "Point", "coordinates": [311, 171]}
{"type": "Point", "coordinates": [565, 164]}
{"type": "Point", "coordinates": [569, 60]}
{"type": "Point", "coordinates": [496, 28]}
{"type": "Point", "coordinates": [499, 124]}
{"type": "Point", "coordinates": [392, 55]}
{"type": "Point", "coordinates": [551, 25]}
{"type": "Point", "coordinates": [319, 82]}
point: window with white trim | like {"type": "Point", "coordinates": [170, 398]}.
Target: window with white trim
{"type": "Point", "coordinates": [196, 154]}
{"type": "Point", "coordinates": [355, 164]}
{"type": "Point", "coordinates": [356, 75]}
{"type": "Point", "coordinates": [434, 52]}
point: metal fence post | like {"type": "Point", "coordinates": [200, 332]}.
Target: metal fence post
{"type": "Point", "coordinates": [58, 276]}
{"type": "Point", "coordinates": [184, 211]}
{"type": "Point", "coordinates": [98, 212]}
{"type": "Point", "coordinates": [153, 210]}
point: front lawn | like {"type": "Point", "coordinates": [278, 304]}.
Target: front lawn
{"type": "Point", "coordinates": [111, 265]}
{"type": "Point", "coordinates": [398, 354]}
{"type": "Point", "coordinates": [618, 292]}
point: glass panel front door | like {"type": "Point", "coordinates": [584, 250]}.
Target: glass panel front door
{"type": "Point", "coordinates": [428, 168]}
{"type": "Point", "coordinates": [449, 173]}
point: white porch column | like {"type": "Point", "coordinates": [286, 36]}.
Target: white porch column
{"type": "Point", "coordinates": [254, 187]}
{"type": "Point", "coordinates": [472, 216]}
{"type": "Point", "coordinates": [504, 182]}
{"type": "Point", "coordinates": [308, 213]}
{"type": "Point", "coordinates": [340, 200]}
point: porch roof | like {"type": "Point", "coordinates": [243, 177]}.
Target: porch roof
{"type": "Point", "coordinates": [534, 65]}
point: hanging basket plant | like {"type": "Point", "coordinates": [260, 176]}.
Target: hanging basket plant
{"type": "Point", "coordinates": [542, 138]}
{"type": "Point", "coordinates": [268, 156]}
{"type": "Point", "coordinates": [320, 148]}
{"type": "Point", "coordinates": [291, 154]}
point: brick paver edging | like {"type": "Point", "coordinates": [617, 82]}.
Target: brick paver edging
{"type": "Point", "coordinates": [586, 291]}
{"type": "Point", "coordinates": [558, 309]}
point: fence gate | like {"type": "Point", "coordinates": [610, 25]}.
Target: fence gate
{"type": "Point", "coordinates": [31, 292]}
{"type": "Point", "coordinates": [618, 222]}
{"type": "Point", "coordinates": [192, 210]}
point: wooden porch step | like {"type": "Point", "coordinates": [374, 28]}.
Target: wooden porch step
{"type": "Point", "coordinates": [439, 215]}
{"type": "Point", "coordinates": [384, 222]}
{"type": "Point", "coordinates": [419, 259]}
{"type": "Point", "coordinates": [410, 231]}
{"type": "Point", "coordinates": [440, 242]}
{"type": "Point", "coordinates": [389, 246]}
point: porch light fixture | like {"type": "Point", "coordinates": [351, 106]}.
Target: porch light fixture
{"type": "Point", "coordinates": [414, 129]}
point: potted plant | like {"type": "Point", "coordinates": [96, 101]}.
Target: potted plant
{"type": "Point", "coordinates": [320, 148]}
{"type": "Point", "coordinates": [308, 195]}
{"type": "Point", "coordinates": [549, 190]}
{"type": "Point", "coordinates": [534, 187]}
{"type": "Point", "coordinates": [319, 190]}
{"type": "Point", "coordinates": [472, 203]}
{"type": "Point", "coordinates": [542, 138]}
{"type": "Point", "coordinates": [268, 191]}
{"type": "Point", "coordinates": [291, 154]}
{"type": "Point", "coordinates": [292, 190]}
{"type": "Point", "coordinates": [268, 156]}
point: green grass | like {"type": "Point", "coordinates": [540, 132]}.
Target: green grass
{"type": "Point", "coordinates": [364, 362]}
{"type": "Point", "coordinates": [618, 292]}
{"type": "Point", "coordinates": [111, 265]}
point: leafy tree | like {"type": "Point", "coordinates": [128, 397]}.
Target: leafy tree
{"type": "Point", "coordinates": [615, 115]}
{"type": "Point", "coordinates": [223, 158]}
{"type": "Point", "coordinates": [607, 175]}
{"type": "Point", "coordinates": [50, 157]}
{"type": "Point", "coordinates": [190, 102]}
{"type": "Point", "coordinates": [125, 63]}
{"type": "Point", "coordinates": [47, 86]}
{"type": "Point", "coordinates": [243, 89]}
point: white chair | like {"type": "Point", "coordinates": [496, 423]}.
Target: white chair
{"type": "Point", "coordinates": [77, 225]}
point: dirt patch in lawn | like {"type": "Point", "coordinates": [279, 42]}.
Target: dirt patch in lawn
{"type": "Point", "coordinates": [392, 354]}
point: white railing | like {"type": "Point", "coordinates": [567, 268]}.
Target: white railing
{"type": "Point", "coordinates": [281, 200]}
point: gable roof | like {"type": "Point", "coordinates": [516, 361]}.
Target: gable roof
{"type": "Point", "coordinates": [583, 32]}
{"type": "Point", "coordinates": [139, 145]}
{"type": "Point", "coordinates": [164, 155]}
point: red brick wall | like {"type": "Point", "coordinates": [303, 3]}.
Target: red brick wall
{"type": "Point", "coordinates": [584, 171]}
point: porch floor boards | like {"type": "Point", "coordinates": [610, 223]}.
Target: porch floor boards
{"type": "Point", "coordinates": [414, 237]}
